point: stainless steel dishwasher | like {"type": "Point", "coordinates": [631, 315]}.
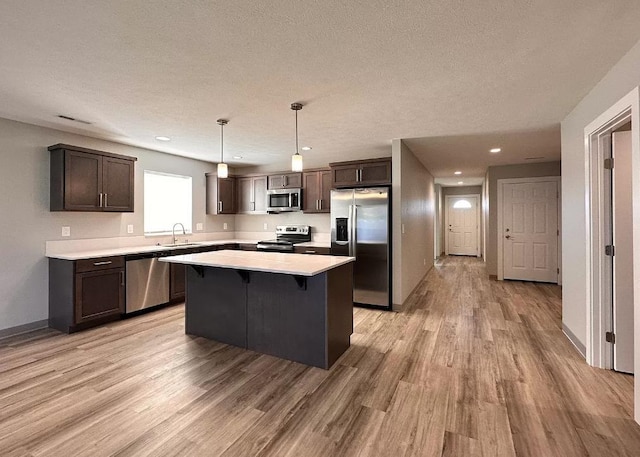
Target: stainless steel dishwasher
{"type": "Point", "coordinates": [147, 281]}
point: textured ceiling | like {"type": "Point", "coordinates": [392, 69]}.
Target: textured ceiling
{"type": "Point", "coordinates": [367, 71]}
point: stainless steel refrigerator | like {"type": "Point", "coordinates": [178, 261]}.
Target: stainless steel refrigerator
{"type": "Point", "coordinates": [360, 227]}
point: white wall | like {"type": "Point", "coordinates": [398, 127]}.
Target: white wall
{"type": "Point", "coordinates": [620, 80]}
{"type": "Point", "coordinates": [414, 195]}
{"type": "Point", "coordinates": [26, 222]}
{"type": "Point", "coordinates": [623, 77]}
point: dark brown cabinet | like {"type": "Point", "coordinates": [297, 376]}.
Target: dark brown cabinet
{"type": "Point", "coordinates": [252, 195]}
{"type": "Point", "coordinates": [285, 181]}
{"type": "Point", "coordinates": [316, 185]}
{"type": "Point", "coordinates": [221, 195]}
{"type": "Point", "coordinates": [373, 172]}
{"type": "Point", "coordinates": [177, 281]}
{"type": "Point", "coordinates": [312, 250]}
{"type": "Point", "coordinates": [84, 293]}
{"type": "Point", "coordinates": [89, 180]}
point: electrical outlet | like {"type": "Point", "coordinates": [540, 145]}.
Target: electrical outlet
{"type": "Point", "coordinates": [225, 226]}
{"type": "Point", "coordinates": [265, 226]}
{"type": "Point", "coordinates": [199, 226]}
{"type": "Point", "coordinates": [130, 228]}
{"type": "Point", "coordinates": [66, 231]}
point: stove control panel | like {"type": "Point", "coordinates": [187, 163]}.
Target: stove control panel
{"type": "Point", "coordinates": [292, 230]}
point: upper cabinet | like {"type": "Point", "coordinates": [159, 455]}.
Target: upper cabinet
{"type": "Point", "coordinates": [252, 195]}
{"type": "Point", "coordinates": [88, 180]}
{"type": "Point", "coordinates": [285, 181]}
{"type": "Point", "coordinates": [373, 172]}
{"type": "Point", "coordinates": [221, 195]}
{"type": "Point", "coordinates": [316, 185]}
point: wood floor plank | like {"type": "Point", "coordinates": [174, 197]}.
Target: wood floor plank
{"type": "Point", "coordinates": [469, 367]}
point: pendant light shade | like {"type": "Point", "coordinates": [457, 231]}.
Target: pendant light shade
{"type": "Point", "coordinates": [223, 170]}
{"type": "Point", "coordinates": [296, 159]}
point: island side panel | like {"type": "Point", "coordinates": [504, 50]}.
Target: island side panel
{"type": "Point", "coordinates": [285, 320]}
{"type": "Point", "coordinates": [216, 305]}
{"type": "Point", "coordinates": [339, 311]}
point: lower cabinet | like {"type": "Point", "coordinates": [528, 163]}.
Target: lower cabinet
{"type": "Point", "coordinates": [85, 293]}
{"type": "Point", "coordinates": [310, 250]}
{"type": "Point", "coordinates": [177, 282]}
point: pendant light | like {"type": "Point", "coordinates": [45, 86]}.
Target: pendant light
{"type": "Point", "coordinates": [296, 159]}
{"type": "Point", "coordinates": [223, 170]}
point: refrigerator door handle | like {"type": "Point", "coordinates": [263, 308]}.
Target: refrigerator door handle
{"type": "Point", "coordinates": [354, 220]}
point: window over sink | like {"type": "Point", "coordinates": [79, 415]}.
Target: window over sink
{"type": "Point", "coordinates": [167, 200]}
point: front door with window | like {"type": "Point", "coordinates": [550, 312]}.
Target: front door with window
{"type": "Point", "coordinates": [462, 225]}
{"type": "Point", "coordinates": [530, 230]}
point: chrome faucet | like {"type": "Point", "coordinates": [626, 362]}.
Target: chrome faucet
{"type": "Point", "coordinates": [173, 231]}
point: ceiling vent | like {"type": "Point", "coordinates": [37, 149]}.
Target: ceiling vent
{"type": "Point", "coordinates": [73, 119]}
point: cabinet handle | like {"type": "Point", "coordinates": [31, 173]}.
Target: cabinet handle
{"type": "Point", "coordinates": [100, 205]}
{"type": "Point", "coordinates": [98, 264]}
{"type": "Point", "coordinates": [284, 181]}
{"type": "Point", "coordinates": [220, 206]}
{"type": "Point", "coordinates": [254, 205]}
{"type": "Point", "coordinates": [309, 252]}
{"type": "Point", "coordinates": [122, 278]}
{"type": "Point", "coordinates": [357, 174]}
{"type": "Point", "coordinates": [105, 201]}
{"type": "Point", "coordinates": [320, 204]}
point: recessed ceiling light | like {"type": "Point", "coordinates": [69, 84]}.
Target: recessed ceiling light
{"type": "Point", "coordinates": [460, 182]}
{"type": "Point", "coordinates": [163, 138]}
{"type": "Point", "coordinates": [306, 148]}
{"type": "Point", "coordinates": [457, 172]}
{"type": "Point", "coordinates": [494, 150]}
{"type": "Point", "coordinates": [237, 157]}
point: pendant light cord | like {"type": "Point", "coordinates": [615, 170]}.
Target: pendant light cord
{"type": "Point", "coordinates": [221, 143]}
{"type": "Point", "coordinates": [297, 150]}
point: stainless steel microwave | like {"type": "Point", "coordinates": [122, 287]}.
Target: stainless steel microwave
{"type": "Point", "coordinates": [281, 200]}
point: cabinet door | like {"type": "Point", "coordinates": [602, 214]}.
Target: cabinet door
{"type": "Point", "coordinates": [260, 194]}
{"type": "Point", "coordinates": [177, 283]}
{"type": "Point", "coordinates": [293, 180]}
{"type": "Point", "coordinates": [117, 184]}
{"type": "Point", "coordinates": [245, 195]}
{"type": "Point", "coordinates": [276, 181]}
{"type": "Point", "coordinates": [375, 173]}
{"type": "Point", "coordinates": [345, 175]}
{"type": "Point", "coordinates": [82, 181]}
{"type": "Point", "coordinates": [99, 294]}
{"type": "Point", "coordinates": [325, 191]}
{"type": "Point", "coordinates": [311, 192]}
{"type": "Point", "coordinates": [226, 196]}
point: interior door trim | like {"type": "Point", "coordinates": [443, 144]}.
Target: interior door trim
{"type": "Point", "coordinates": [500, 229]}
{"type": "Point", "coordinates": [478, 198]}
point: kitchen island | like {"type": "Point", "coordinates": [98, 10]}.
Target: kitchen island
{"type": "Point", "coordinates": [294, 306]}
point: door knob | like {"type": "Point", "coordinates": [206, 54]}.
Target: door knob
{"type": "Point", "coordinates": [508, 236]}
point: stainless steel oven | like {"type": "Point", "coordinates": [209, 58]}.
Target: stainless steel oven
{"type": "Point", "coordinates": [281, 200]}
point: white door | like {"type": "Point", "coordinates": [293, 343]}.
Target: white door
{"type": "Point", "coordinates": [623, 258]}
{"type": "Point", "coordinates": [530, 231]}
{"type": "Point", "coordinates": [462, 220]}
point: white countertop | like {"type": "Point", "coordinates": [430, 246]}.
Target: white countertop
{"type": "Point", "coordinates": [269, 262]}
{"type": "Point", "coordinates": [93, 253]}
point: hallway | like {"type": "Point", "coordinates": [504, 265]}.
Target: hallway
{"type": "Point", "coordinates": [471, 367]}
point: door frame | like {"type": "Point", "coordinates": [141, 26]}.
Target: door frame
{"type": "Point", "coordinates": [599, 319]}
{"type": "Point", "coordinates": [500, 208]}
{"type": "Point", "coordinates": [446, 221]}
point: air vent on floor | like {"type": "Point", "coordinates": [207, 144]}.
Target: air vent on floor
{"type": "Point", "coordinates": [73, 119]}
{"type": "Point", "coordinates": [533, 158]}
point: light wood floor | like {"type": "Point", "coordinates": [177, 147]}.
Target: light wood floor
{"type": "Point", "coordinates": [471, 367]}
